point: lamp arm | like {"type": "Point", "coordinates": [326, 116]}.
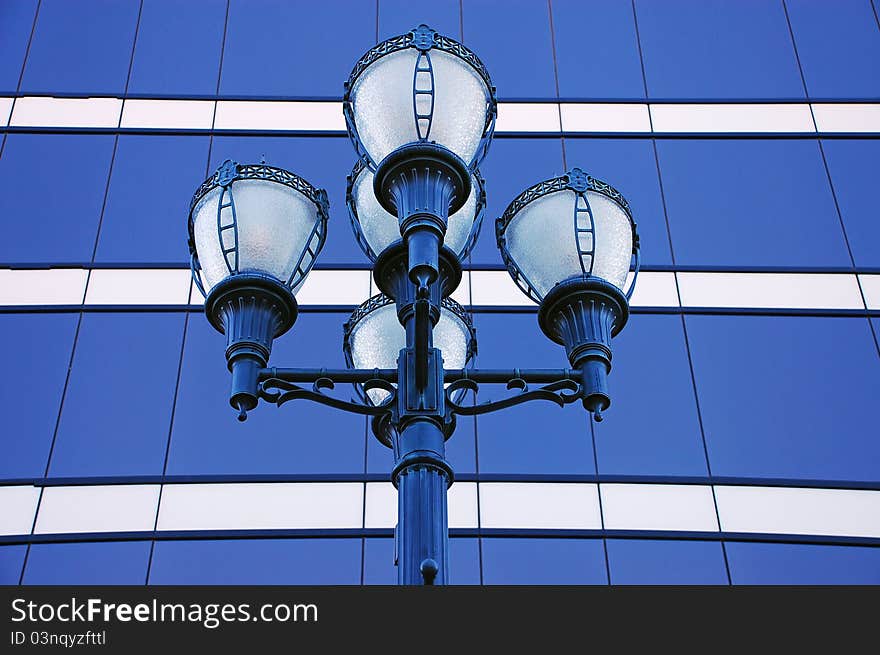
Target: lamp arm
{"type": "Point", "coordinates": [281, 385]}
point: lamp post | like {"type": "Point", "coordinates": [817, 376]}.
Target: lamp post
{"type": "Point", "coordinates": [420, 110]}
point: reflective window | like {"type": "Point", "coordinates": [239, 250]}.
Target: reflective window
{"type": "Point", "coordinates": [16, 20]}
{"type": "Point", "coordinates": [717, 49]}
{"type": "Point", "coordinates": [629, 165]}
{"type": "Point", "coordinates": [656, 562]}
{"type": "Point", "coordinates": [464, 562]}
{"type": "Point", "coordinates": [11, 561]}
{"type": "Point", "coordinates": [508, 561]}
{"type": "Point", "coordinates": [514, 42]}
{"type": "Point", "coordinates": [257, 561]}
{"type": "Point", "coordinates": [512, 166]}
{"type": "Point", "coordinates": [91, 563]}
{"type": "Point", "coordinates": [399, 16]}
{"type": "Point", "coordinates": [538, 437]}
{"type": "Point", "coordinates": [152, 183]}
{"type": "Point", "coordinates": [81, 47]}
{"type": "Point", "coordinates": [838, 46]}
{"type": "Point", "coordinates": [259, 33]}
{"type": "Point", "coordinates": [651, 427]}
{"type": "Point", "coordinates": [750, 203]}
{"type": "Point", "coordinates": [323, 162]}
{"type": "Point", "coordinates": [118, 404]}
{"type": "Point", "coordinates": [802, 564]}
{"type": "Point", "coordinates": [596, 50]}
{"type": "Point", "coordinates": [40, 359]}
{"type": "Point", "coordinates": [53, 189]}
{"type": "Point", "coordinates": [300, 437]}
{"type": "Point", "coordinates": [851, 164]}
{"type": "Point", "coordinates": [787, 397]}
{"type": "Point", "coordinates": [178, 47]}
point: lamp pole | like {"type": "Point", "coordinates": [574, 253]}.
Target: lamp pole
{"type": "Point", "coordinates": [255, 231]}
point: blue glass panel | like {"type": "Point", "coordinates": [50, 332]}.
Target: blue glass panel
{"type": "Point", "coordinates": [16, 20]}
{"type": "Point", "coordinates": [508, 561]}
{"type": "Point", "coordinates": [324, 162]}
{"type": "Point", "coordinates": [652, 426]}
{"type": "Point", "coordinates": [11, 561]}
{"type": "Point", "coordinates": [802, 564]}
{"type": "Point", "coordinates": [152, 183]}
{"type": "Point", "coordinates": [117, 410]}
{"type": "Point", "coordinates": [656, 562]}
{"type": "Point", "coordinates": [318, 44]}
{"type": "Point", "coordinates": [537, 437]}
{"type": "Point", "coordinates": [53, 189]}
{"type": "Point", "coordinates": [178, 47]}
{"type": "Point", "coordinates": [787, 397]}
{"type": "Point", "coordinates": [512, 166]}
{"type": "Point", "coordinates": [81, 47]}
{"type": "Point", "coordinates": [257, 561]}
{"type": "Point", "coordinates": [629, 165]}
{"type": "Point", "coordinates": [750, 203]}
{"type": "Point", "coordinates": [852, 165]}
{"type": "Point", "coordinates": [399, 16]}
{"type": "Point", "coordinates": [39, 358]}
{"type": "Point", "coordinates": [464, 562]}
{"type": "Point", "coordinates": [717, 49]}
{"type": "Point", "coordinates": [92, 563]}
{"type": "Point", "coordinates": [596, 49]}
{"type": "Point", "coordinates": [838, 44]}
{"type": "Point", "coordinates": [300, 437]}
{"type": "Point", "coordinates": [514, 42]}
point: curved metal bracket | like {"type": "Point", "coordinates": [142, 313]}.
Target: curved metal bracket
{"type": "Point", "coordinates": [561, 392]}
{"type": "Point", "coordinates": [279, 392]}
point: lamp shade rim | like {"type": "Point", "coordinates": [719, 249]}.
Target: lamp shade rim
{"type": "Point", "coordinates": [422, 38]}
{"type": "Point", "coordinates": [229, 171]}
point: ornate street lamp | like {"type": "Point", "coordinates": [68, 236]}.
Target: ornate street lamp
{"type": "Point", "coordinates": [568, 243]}
{"type": "Point", "coordinates": [254, 233]}
{"type": "Point", "coordinates": [420, 110]}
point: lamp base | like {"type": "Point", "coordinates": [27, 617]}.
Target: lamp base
{"type": "Point", "coordinates": [251, 310]}
{"type": "Point", "coordinates": [583, 313]}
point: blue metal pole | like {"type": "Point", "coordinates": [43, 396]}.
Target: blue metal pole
{"type": "Point", "coordinates": [422, 476]}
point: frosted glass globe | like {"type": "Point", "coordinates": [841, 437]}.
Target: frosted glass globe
{"type": "Point", "coordinates": [542, 240]}
{"type": "Point", "coordinates": [377, 338]}
{"type": "Point", "coordinates": [275, 224]}
{"type": "Point", "coordinates": [384, 111]}
{"type": "Point", "coordinates": [381, 229]}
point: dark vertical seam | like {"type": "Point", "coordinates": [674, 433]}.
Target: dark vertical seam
{"type": "Point", "coordinates": [79, 320]}
{"type": "Point", "coordinates": [684, 330]}
{"type": "Point", "coordinates": [377, 22]}
{"type": "Point", "coordinates": [827, 168]}
{"type": "Point", "coordinates": [192, 289]}
{"type": "Point", "coordinates": [27, 51]}
{"type": "Point", "coordinates": [476, 433]}
{"type": "Point", "coordinates": [556, 79]}
{"type": "Point", "coordinates": [599, 496]}
{"type": "Point", "coordinates": [461, 29]}
{"type": "Point", "coordinates": [876, 18]}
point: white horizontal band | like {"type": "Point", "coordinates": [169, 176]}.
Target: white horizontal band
{"type": "Point", "coordinates": [513, 117]}
{"type": "Point", "coordinates": [501, 505]}
{"type": "Point", "coordinates": [156, 287]}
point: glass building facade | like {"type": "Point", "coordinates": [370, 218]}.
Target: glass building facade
{"type": "Point", "coordinates": [742, 446]}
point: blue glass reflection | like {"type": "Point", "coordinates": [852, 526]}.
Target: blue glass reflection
{"type": "Point", "coordinates": [659, 562]}
{"type": "Point", "coordinates": [257, 561]}
{"type": "Point", "coordinates": [802, 564]}
{"type": "Point", "coordinates": [40, 361]}
{"type": "Point", "coordinates": [88, 563]}
{"type": "Point", "coordinates": [509, 561]}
